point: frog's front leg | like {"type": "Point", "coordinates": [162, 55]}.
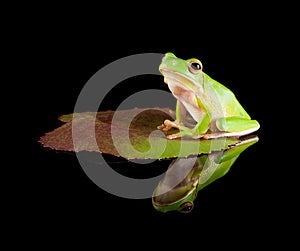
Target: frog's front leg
{"type": "Point", "coordinates": [231, 127]}
{"type": "Point", "coordinates": [201, 127]}
{"type": "Point", "coordinates": [177, 124]}
{"type": "Point", "coordinates": [168, 124]}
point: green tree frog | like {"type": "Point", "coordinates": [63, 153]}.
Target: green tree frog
{"type": "Point", "coordinates": [205, 108]}
{"type": "Point", "coordinates": [188, 180]}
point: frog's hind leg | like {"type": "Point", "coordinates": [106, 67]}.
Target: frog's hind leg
{"type": "Point", "coordinates": [231, 127]}
{"type": "Point", "coordinates": [224, 134]}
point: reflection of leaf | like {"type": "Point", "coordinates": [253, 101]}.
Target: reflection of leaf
{"type": "Point", "coordinates": [138, 146]}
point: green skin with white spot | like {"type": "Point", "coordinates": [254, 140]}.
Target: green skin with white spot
{"type": "Point", "coordinates": [205, 108]}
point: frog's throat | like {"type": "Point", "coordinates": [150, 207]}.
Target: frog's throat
{"type": "Point", "coordinates": [181, 80]}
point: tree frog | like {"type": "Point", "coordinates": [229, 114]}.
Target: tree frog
{"type": "Point", "coordinates": [206, 169]}
{"type": "Point", "coordinates": [205, 108]}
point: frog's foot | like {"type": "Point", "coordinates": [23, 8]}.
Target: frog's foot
{"type": "Point", "coordinates": [209, 136]}
{"type": "Point", "coordinates": [167, 125]}
{"type": "Point", "coordinates": [184, 132]}
{"type": "Point", "coordinates": [218, 135]}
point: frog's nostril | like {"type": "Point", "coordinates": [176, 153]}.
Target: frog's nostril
{"type": "Point", "coordinates": [170, 54]}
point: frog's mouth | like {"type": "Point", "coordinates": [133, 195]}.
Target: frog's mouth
{"type": "Point", "coordinates": [176, 79]}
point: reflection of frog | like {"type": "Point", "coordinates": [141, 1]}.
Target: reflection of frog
{"type": "Point", "coordinates": [211, 106]}
{"type": "Point", "coordinates": [185, 177]}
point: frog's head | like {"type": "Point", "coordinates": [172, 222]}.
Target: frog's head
{"type": "Point", "coordinates": [186, 74]}
{"type": "Point", "coordinates": [169, 196]}
{"type": "Point", "coordinates": [178, 199]}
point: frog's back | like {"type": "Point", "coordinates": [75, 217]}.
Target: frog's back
{"type": "Point", "coordinates": [222, 100]}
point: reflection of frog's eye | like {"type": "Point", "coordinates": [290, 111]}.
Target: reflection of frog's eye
{"type": "Point", "coordinates": [186, 207]}
{"type": "Point", "coordinates": [195, 66]}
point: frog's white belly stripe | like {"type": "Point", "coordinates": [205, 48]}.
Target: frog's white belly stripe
{"type": "Point", "coordinates": [195, 112]}
{"type": "Point", "coordinates": [187, 98]}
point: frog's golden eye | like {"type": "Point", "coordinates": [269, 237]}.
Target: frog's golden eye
{"type": "Point", "coordinates": [186, 207]}
{"type": "Point", "coordinates": [195, 66]}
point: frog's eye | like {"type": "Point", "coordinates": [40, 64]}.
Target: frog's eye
{"type": "Point", "coordinates": [186, 207]}
{"type": "Point", "coordinates": [195, 66]}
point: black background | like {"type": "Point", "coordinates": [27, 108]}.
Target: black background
{"type": "Point", "coordinates": [59, 202]}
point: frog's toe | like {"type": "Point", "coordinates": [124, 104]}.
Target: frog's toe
{"type": "Point", "coordinates": [174, 136]}
{"type": "Point", "coordinates": [162, 127]}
